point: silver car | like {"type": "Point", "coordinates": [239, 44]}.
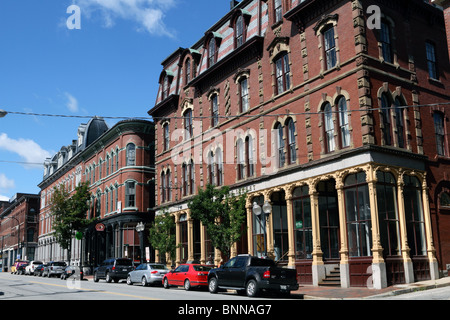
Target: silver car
{"type": "Point", "coordinates": [147, 273]}
{"type": "Point", "coordinates": [54, 268]}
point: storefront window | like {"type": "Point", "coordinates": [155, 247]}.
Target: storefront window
{"type": "Point", "coordinates": [280, 226]}
{"type": "Point", "coordinates": [302, 223]}
{"type": "Point", "coordinates": [357, 207]}
{"type": "Point", "coordinates": [329, 219]}
{"type": "Point", "coordinates": [414, 216]}
{"type": "Point", "coordinates": [387, 214]}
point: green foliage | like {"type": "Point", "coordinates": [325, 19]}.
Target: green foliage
{"type": "Point", "coordinates": [70, 212]}
{"type": "Point", "coordinates": [162, 235]}
{"type": "Point", "coordinates": [222, 213]}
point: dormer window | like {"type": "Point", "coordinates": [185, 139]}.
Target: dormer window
{"type": "Point", "coordinates": [212, 52]}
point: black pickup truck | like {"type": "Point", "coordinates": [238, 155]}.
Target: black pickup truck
{"type": "Point", "coordinates": [250, 275]}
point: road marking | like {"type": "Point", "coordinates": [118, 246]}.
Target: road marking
{"type": "Point", "coordinates": [94, 290]}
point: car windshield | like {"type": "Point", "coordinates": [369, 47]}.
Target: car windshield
{"type": "Point", "coordinates": [60, 264]}
{"type": "Point", "coordinates": [37, 262]}
{"type": "Point", "coordinates": [123, 262]}
{"type": "Point", "coordinates": [158, 267]}
{"type": "Point", "coordinates": [202, 268]}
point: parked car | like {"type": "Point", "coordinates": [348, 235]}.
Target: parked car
{"type": "Point", "coordinates": [17, 264]}
{"type": "Point", "coordinates": [147, 274]}
{"type": "Point", "coordinates": [21, 268]}
{"type": "Point", "coordinates": [113, 269]}
{"type": "Point", "coordinates": [39, 270]}
{"type": "Point", "coordinates": [29, 270]}
{"type": "Point", "coordinates": [250, 274]}
{"type": "Point", "coordinates": [70, 271]}
{"type": "Point", "coordinates": [188, 276]}
{"type": "Point", "coordinates": [54, 268]}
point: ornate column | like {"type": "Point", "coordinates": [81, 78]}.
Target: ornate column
{"type": "Point", "coordinates": [291, 227]}
{"type": "Point", "coordinates": [190, 226]}
{"type": "Point", "coordinates": [178, 238]}
{"type": "Point", "coordinates": [318, 267]}
{"type": "Point", "coordinates": [203, 257]}
{"type": "Point", "coordinates": [434, 269]}
{"type": "Point", "coordinates": [344, 266]}
{"type": "Point", "coordinates": [248, 206]}
{"type": "Point", "coordinates": [269, 227]}
{"type": "Point", "coordinates": [407, 262]}
{"type": "Point", "coordinates": [378, 265]}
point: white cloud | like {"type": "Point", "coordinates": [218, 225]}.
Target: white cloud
{"type": "Point", "coordinates": [5, 183]}
{"type": "Point", "coordinates": [72, 102]}
{"type": "Point", "coordinates": [27, 149]}
{"type": "Point", "coordinates": [148, 14]}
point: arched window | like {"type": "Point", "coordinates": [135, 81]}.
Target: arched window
{"type": "Point", "coordinates": [344, 127]}
{"type": "Point", "coordinates": [219, 167]}
{"type": "Point", "coordinates": [131, 155]}
{"type": "Point", "coordinates": [188, 129]}
{"type": "Point", "coordinates": [211, 168]}
{"type": "Point", "coordinates": [399, 121]}
{"type": "Point", "coordinates": [439, 130]}
{"type": "Point", "coordinates": [386, 118]}
{"type": "Point", "coordinates": [249, 159]}
{"type": "Point", "coordinates": [185, 172]}
{"type": "Point", "coordinates": [191, 177]}
{"type": "Point", "coordinates": [214, 110]}
{"type": "Point", "coordinates": [240, 159]}
{"type": "Point", "coordinates": [292, 152]}
{"type": "Point", "coordinates": [187, 71]}
{"type": "Point", "coordinates": [329, 128]}
{"type": "Point", "coordinates": [280, 145]}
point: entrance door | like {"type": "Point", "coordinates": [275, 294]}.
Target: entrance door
{"type": "Point", "coordinates": [329, 220]}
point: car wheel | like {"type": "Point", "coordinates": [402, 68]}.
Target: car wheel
{"type": "Point", "coordinates": [129, 282]}
{"type": "Point", "coordinates": [252, 288]}
{"type": "Point", "coordinates": [144, 281]}
{"type": "Point", "coordinates": [95, 277]}
{"type": "Point", "coordinates": [166, 283]}
{"type": "Point", "coordinates": [187, 285]}
{"type": "Point", "coordinates": [212, 285]}
{"type": "Point", "coordinates": [108, 278]}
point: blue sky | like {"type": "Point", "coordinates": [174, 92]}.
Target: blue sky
{"type": "Point", "coordinates": [109, 67]}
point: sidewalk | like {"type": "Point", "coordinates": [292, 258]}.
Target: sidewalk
{"type": "Point", "coordinates": [337, 293]}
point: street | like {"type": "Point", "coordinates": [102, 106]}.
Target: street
{"type": "Point", "coordinates": [432, 294]}
{"type": "Point", "coordinates": [21, 287]}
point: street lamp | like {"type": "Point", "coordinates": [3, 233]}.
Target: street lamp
{"type": "Point", "coordinates": [263, 215]}
{"type": "Point", "coordinates": [140, 227]}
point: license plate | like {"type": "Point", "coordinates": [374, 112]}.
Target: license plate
{"type": "Point", "coordinates": [125, 269]}
{"type": "Point", "coordinates": [283, 287]}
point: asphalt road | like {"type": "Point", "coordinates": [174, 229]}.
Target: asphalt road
{"type": "Point", "coordinates": [21, 287]}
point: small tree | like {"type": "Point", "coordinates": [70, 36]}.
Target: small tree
{"type": "Point", "coordinates": [162, 234]}
{"type": "Point", "coordinates": [70, 213]}
{"type": "Point", "coordinates": [223, 215]}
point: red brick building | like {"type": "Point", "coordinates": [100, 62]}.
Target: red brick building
{"type": "Point", "coordinates": [19, 229]}
{"type": "Point", "coordinates": [118, 164]}
{"type": "Point", "coordinates": [335, 113]}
